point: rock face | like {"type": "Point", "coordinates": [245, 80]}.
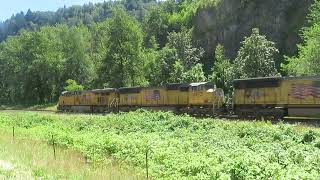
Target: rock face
{"type": "Point", "coordinates": [231, 20]}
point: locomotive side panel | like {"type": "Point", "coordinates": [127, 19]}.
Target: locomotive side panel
{"type": "Point", "coordinates": [183, 98]}
{"type": "Point", "coordinates": [206, 96]}
{"type": "Point", "coordinates": [152, 97]}
{"type": "Point", "coordinates": [130, 97]}
{"type": "Point", "coordinates": [173, 97]}
{"type": "Point", "coordinates": [198, 95]}
{"type": "Point", "coordinates": [106, 100]}
{"type": "Point", "coordinates": [261, 92]}
{"type": "Point", "coordinates": [258, 97]}
{"type": "Point", "coordinates": [303, 96]}
{"type": "Point", "coordinates": [177, 94]}
{"type": "Point", "coordinates": [238, 97]}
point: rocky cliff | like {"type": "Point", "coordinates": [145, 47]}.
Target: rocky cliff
{"type": "Point", "coordinates": [231, 20]}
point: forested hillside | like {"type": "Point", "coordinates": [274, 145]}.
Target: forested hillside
{"type": "Point", "coordinates": [145, 42]}
{"type": "Point", "coordinates": [73, 16]}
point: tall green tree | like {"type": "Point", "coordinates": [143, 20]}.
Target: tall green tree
{"type": "Point", "coordinates": [76, 47]}
{"type": "Point", "coordinates": [35, 65]}
{"type": "Point", "coordinates": [38, 65]}
{"type": "Point", "coordinates": [123, 65]}
{"type": "Point", "coordinates": [222, 71]}
{"type": "Point", "coordinates": [256, 57]}
{"type": "Point", "coordinates": [187, 53]}
{"type": "Point", "coordinates": [195, 74]}
{"type": "Point", "coordinates": [155, 24]}
{"type": "Point", "coordinates": [180, 75]}
{"type": "Point", "coordinates": [161, 68]}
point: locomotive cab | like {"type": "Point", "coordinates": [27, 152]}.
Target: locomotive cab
{"type": "Point", "coordinates": [206, 96]}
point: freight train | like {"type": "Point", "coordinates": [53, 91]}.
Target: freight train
{"type": "Point", "coordinates": [195, 98]}
{"type": "Point", "coordinates": [271, 97]}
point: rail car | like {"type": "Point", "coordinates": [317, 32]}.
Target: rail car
{"type": "Point", "coordinates": [276, 97]}
{"type": "Point", "coordinates": [196, 98]}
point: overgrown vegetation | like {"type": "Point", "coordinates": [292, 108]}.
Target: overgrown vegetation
{"type": "Point", "coordinates": [181, 146]}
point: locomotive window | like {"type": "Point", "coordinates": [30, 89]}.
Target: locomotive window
{"type": "Point", "coordinates": [197, 88]}
{"type": "Point", "coordinates": [184, 89]}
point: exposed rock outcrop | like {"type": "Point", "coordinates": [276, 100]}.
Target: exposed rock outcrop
{"type": "Point", "coordinates": [231, 20]}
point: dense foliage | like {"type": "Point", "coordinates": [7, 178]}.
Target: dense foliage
{"type": "Point", "coordinates": [35, 65]}
{"type": "Point", "coordinates": [131, 43]}
{"type": "Point", "coordinates": [307, 62]}
{"type": "Point", "coordinates": [72, 16]}
{"type": "Point", "coordinates": [256, 57]}
{"type": "Point", "coordinates": [72, 85]}
{"type": "Point", "coordinates": [181, 146]}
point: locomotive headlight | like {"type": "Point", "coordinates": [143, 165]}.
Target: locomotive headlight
{"type": "Point", "coordinates": [210, 90]}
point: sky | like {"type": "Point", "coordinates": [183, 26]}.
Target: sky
{"type": "Point", "coordinates": [10, 7]}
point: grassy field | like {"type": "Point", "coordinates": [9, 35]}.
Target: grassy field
{"type": "Point", "coordinates": [22, 158]}
{"type": "Point", "coordinates": [180, 147]}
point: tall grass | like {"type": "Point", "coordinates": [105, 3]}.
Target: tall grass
{"type": "Point", "coordinates": [181, 147]}
{"type": "Point", "coordinates": [35, 160]}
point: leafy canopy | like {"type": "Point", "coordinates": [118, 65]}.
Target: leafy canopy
{"type": "Point", "coordinates": [256, 57]}
{"type": "Point", "coordinates": [73, 86]}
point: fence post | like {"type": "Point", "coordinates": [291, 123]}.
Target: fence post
{"type": "Point", "coordinates": [54, 147]}
{"type": "Point", "coordinates": [147, 165]}
{"type": "Point", "coordinates": [13, 132]}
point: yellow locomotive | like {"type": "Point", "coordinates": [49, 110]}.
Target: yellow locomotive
{"type": "Point", "coordinates": [98, 100]}
{"type": "Point", "coordinates": [194, 98]}
{"type": "Point", "coordinates": [277, 97]}
{"type": "Point", "coordinates": [271, 97]}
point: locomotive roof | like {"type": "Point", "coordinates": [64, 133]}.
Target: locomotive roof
{"type": "Point", "coordinates": [174, 86]}
{"type": "Point", "coordinates": [257, 82]}
{"type": "Point", "coordinates": [259, 79]}
{"type": "Point", "coordinates": [267, 81]}
{"type": "Point", "coordinates": [106, 90]}
{"type": "Point", "coordinates": [124, 90]}
{"type": "Point", "coordinates": [200, 83]}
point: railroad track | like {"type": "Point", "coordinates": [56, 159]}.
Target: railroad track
{"type": "Point", "coordinates": [303, 121]}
